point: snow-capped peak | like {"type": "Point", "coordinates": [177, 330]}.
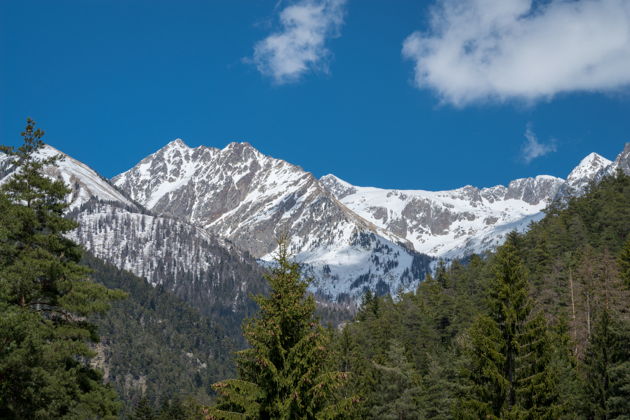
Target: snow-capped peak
{"type": "Point", "coordinates": [590, 166]}
{"type": "Point", "coordinates": [622, 162]}
{"type": "Point", "coordinates": [176, 144]}
{"type": "Point", "coordinates": [352, 237]}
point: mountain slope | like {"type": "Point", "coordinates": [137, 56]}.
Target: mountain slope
{"type": "Point", "coordinates": [84, 181]}
{"type": "Point", "coordinates": [155, 345]}
{"type": "Point", "coordinates": [208, 272]}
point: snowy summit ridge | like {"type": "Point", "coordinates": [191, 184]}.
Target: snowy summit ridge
{"type": "Point", "coordinates": [186, 214]}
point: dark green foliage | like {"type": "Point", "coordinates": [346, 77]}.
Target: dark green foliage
{"type": "Point", "coordinates": [143, 411]}
{"type": "Point", "coordinates": [607, 369]}
{"type": "Point", "coordinates": [438, 388]}
{"type": "Point", "coordinates": [425, 325]}
{"type": "Point", "coordinates": [369, 306]}
{"type": "Point", "coordinates": [398, 388]}
{"type": "Point", "coordinates": [286, 374]}
{"type": "Point", "coordinates": [45, 295]}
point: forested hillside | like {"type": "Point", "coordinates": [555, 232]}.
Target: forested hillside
{"type": "Point", "coordinates": [154, 345]}
{"type": "Point", "coordinates": [539, 329]}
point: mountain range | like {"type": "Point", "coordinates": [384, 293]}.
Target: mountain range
{"type": "Point", "coordinates": [201, 221]}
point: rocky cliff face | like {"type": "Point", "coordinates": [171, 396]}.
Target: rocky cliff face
{"type": "Point", "coordinates": [622, 163]}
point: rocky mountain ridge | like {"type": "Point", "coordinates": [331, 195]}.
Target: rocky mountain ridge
{"type": "Point", "coordinates": [456, 223]}
{"type": "Point", "coordinates": [252, 199]}
{"type": "Point", "coordinates": [182, 215]}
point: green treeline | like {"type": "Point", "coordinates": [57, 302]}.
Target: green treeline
{"type": "Point", "coordinates": [154, 346]}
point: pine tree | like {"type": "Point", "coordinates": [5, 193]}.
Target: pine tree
{"type": "Point", "coordinates": [537, 386]}
{"type": "Point", "coordinates": [362, 374]}
{"type": "Point", "coordinates": [45, 297]}
{"type": "Point", "coordinates": [485, 390]}
{"type": "Point", "coordinates": [369, 307]}
{"type": "Point", "coordinates": [285, 374]}
{"type": "Point", "coordinates": [441, 274]}
{"type": "Point", "coordinates": [438, 388]}
{"type": "Point", "coordinates": [398, 389]}
{"type": "Point", "coordinates": [509, 353]}
{"type": "Point", "coordinates": [563, 365]}
{"type": "Point", "coordinates": [173, 410]}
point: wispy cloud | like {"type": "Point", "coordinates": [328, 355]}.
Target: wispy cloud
{"type": "Point", "coordinates": [480, 50]}
{"type": "Point", "coordinates": [533, 149]}
{"type": "Point", "coordinates": [300, 45]}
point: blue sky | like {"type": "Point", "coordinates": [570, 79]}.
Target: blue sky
{"type": "Point", "coordinates": [366, 89]}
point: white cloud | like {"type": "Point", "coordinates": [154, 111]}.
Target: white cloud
{"type": "Point", "coordinates": [479, 50]}
{"type": "Point", "coordinates": [300, 46]}
{"type": "Point", "coordinates": [533, 149]}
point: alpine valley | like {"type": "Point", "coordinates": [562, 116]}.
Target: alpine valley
{"type": "Point", "coordinates": [188, 233]}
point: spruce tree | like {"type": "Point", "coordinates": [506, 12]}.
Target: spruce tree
{"type": "Point", "coordinates": [45, 297]}
{"type": "Point", "coordinates": [563, 365]}
{"type": "Point", "coordinates": [509, 353]}
{"type": "Point", "coordinates": [286, 373]}
{"type": "Point", "coordinates": [438, 388]}
{"type": "Point", "coordinates": [143, 411]}
{"type": "Point", "coordinates": [363, 377]}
